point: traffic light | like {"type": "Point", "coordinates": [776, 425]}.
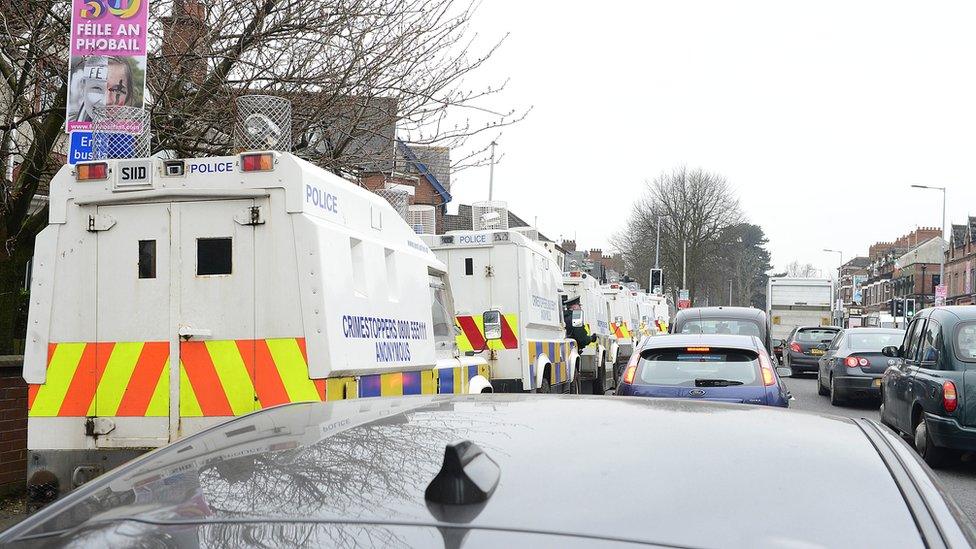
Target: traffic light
{"type": "Point", "coordinates": [657, 281]}
{"type": "Point", "coordinates": [897, 307]}
{"type": "Point", "coordinates": [909, 308]}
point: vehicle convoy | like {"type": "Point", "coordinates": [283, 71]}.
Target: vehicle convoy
{"type": "Point", "coordinates": [598, 358]}
{"type": "Point", "coordinates": [170, 295]}
{"type": "Point", "coordinates": [929, 390]}
{"type": "Point", "coordinates": [283, 477]}
{"type": "Point", "coordinates": [745, 321]}
{"type": "Point", "coordinates": [507, 300]}
{"type": "Point", "coordinates": [805, 345]}
{"type": "Point", "coordinates": [654, 314]}
{"type": "Point", "coordinates": [794, 302]}
{"type": "Point", "coordinates": [852, 365]}
{"type": "Point", "coordinates": [723, 368]}
{"type": "Point", "coordinates": [624, 321]}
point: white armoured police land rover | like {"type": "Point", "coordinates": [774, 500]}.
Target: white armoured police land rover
{"type": "Point", "coordinates": [597, 358]}
{"type": "Point", "coordinates": [169, 295]}
{"type": "Point", "coordinates": [507, 296]}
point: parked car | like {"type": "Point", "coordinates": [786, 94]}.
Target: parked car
{"type": "Point", "coordinates": [929, 390]}
{"type": "Point", "coordinates": [513, 470]}
{"type": "Point", "coordinates": [724, 368]}
{"type": "Point", "coordinates": [745, 321]}
{"type": "Point", "coordinates": [852, 365]}
{"type": "Point", "coordinates": [805, 346]}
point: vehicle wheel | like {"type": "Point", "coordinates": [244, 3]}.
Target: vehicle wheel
{"type": "Point", "coordinates": [835, 399]}
{"type": "Point", "coordinates": [598, 381]}
{"type": "Point", "coordinates": [821, 390]}
{"type": "Point", "coordinates": [575, 387]}
{"type": "Point", "coordinates": [544, 386]}
{"type": "Point", "coordinates": [935, 456]}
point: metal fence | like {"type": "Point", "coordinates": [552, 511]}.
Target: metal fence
{"type": "Point", "coordinates": [120, 131]}
{"type": "Point", "coordinates": [263, 123]}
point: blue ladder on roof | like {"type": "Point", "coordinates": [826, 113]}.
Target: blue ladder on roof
{"type": "Point", "coordinates": [424, 171]}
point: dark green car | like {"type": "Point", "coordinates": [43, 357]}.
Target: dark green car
{"type": "Point", "coordinates": [929, 376]}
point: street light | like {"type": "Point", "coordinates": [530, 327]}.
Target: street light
{"type": "Point", "coordinates": [942, 255]}
{"type": "Point", "coordinates": [841, 255]}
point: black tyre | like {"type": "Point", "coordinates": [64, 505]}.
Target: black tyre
{"type": "Point", "coordinates": [575, 386]}
{"type": "Point", "coordinates": [544, 387]}
{"type": "Point", "coordinates": [935, 456]}
{"type": "Point", "coordinates": [835, 397]}
{"type": "Point", "coordinates": [598, 381]}
{"type": "Point", "coordinates": [821, 390]}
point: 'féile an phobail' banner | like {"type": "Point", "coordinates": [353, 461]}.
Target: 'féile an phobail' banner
{"type": "Point", "coordinates": [108, 60]}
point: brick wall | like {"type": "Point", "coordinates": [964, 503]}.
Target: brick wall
{"type": "Point", "coordinates": [13, 426]}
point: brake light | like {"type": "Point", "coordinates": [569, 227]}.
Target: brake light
{"type": "Point", "coordinates": [949, 398]}
{"type": "Point", "coordinates": [698, 349]}
{"type": "Point", "coordinates": [574, 274]}
{"type": "Point", "coordinates": [257, 162]}
{"type": "Point", "coordinates": [856, 362]}
{"type": "Point", "coordinates": [92, 171]}
{"type": "Point", "coordinates": [795, 347]}
{"type": "Point", "coordinates": [766, 365]}
{"type": "Point", "coordinates": [629, 374]}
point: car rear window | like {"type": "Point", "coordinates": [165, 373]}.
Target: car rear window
{"type": "Point", "coordinates": [966, 342]}
{"type": "Point", "coordinates": [873, 342]}
{"type": "Point", "coordinates": [699, 367]}
{"type": "Point", "coordinates": [721, 326]}
{"type": "Point", "coordinates": [814, 335]}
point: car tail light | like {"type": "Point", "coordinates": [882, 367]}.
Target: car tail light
{"type": "Point", "coordinates": [698, 349]}
{"type": "Point", "coordinates": [629, 374]}
{"type": "Point", "coordinates": [766, 365]}
{"type": "Point", "coordinates": [856, 362]}
{"type": "Point", "coordinates": [92, 171]}
{"type": "Point", "coordinates": [949, 398]}
{"type": "Point", "coordinates": [257, 162]}
{"type": "Point", "coordinates": [795, 347]}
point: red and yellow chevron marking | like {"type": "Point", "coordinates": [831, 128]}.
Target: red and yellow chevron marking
{"type": "Point", "coordinates": [104, 379]}
{"type": "Point", "coordinates": [217, 378]}
{"type": "Point", "coordinates": [472, 336]}
{"type": "Point", "coordinates": [620, 331]}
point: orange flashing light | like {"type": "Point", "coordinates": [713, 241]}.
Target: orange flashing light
{"type": "Point", "coordinates": [93, 171]}
{"type": "Point", "coordinates": [257, 162]}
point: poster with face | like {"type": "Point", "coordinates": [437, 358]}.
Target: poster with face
{"type": "Point", "coordinates": [108, 60]}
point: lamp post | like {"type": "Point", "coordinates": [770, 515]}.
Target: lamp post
{"type": "Point", "coordinates": [840, 254]}
{"type": "Point", "coordinates": [942, 228]}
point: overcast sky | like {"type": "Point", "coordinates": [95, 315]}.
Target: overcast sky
{"type": "Point", "coordinates": [820, 114]}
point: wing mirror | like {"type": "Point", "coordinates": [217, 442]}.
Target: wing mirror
{"type": "Point", "coordinates": [577, 318]}
{"type": "Point", "coordinates": [492, 321]}
{"type": "Point", "coordinates": [822, 346]}
{"type": "Point", "coordinates": [891, 351]}
{"type": "Point", "coordinates": [778, 343]}
{"type": "Point", "coordinates": [783, 371]}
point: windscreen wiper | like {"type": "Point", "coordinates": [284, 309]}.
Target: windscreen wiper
{"type": "Point", "coordinates": [716, 382]}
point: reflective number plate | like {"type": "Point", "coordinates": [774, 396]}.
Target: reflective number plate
{"type": "Point", "coordinates": [816, 351]}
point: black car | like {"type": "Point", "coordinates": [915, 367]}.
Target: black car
{"type": "Point", "coordinates": [804, 347]}
{"type": "Point", "coordinates": [929, 391]}
{"type": "Point", "coordinates": [514, 471]}
{"type": "Point", "coordinates": [852, 365]}
{"type": "Point", "coordinates": [745, 321]}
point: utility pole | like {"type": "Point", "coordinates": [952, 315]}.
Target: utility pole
{"type": "Point", "coordinates": [491, 173]}
{"type": "Point", "coordinates": [657, 245]}
{"type": "Point", "coordinates": [684, 264]}
{"type": "Point", "coordinates": [730, 292]}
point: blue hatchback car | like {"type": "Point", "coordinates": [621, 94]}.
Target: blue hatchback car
{"type": "Point", "coordinates": [723, 368]}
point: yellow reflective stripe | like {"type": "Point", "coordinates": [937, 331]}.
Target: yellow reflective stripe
{"type": "Point", "coordinates": [334, 388]}
{"type": "Point", "coordinates": [60, 372]}
{"type": "Point", "coordinates": [159, 403]}
{"type": "Point", "coordinates": [291, 367]}
{"type": "Point", "coordinates": [233, 376]}
{"type": "Point", "coordinates": [428, 382]}
{"type": "Point", "coordinates": [391, 384]}
{"type": "Point", "coordinates": [189, 405]}
{"type": "Point", "coordinates": [115, 379]}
